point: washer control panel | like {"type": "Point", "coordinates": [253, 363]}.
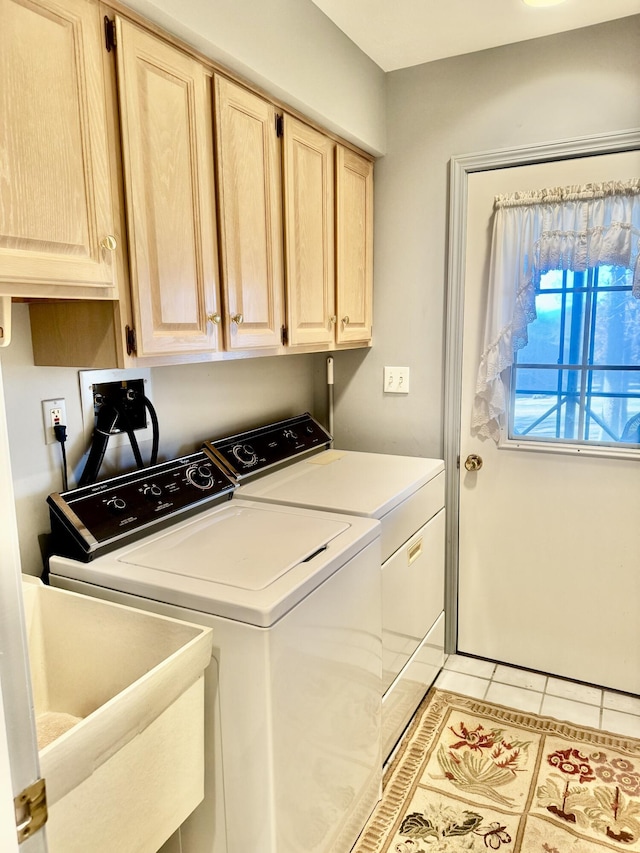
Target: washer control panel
{"type": "Point", "coordinates": [101, 515]}
{"type": "Point", "coordinates": [258, 449]}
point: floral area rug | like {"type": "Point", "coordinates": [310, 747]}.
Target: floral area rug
{"type": "Point", "coordinates": [475, 776]}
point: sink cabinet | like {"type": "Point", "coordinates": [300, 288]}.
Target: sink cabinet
{"type": "Point", "coordinates": [119, 705]}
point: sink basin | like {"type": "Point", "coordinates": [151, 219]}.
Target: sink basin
{"type": "Point", "coordinates": [119, 706]}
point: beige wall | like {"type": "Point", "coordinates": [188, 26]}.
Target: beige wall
{"type": "Point", "coordinates": [291, 49]}
{"type": "Point", "coordinates": [579, 83]}
{"type": "Point", "coordinates": [193, 402]}
{"type": "Point", "coordinates": [294, 52]}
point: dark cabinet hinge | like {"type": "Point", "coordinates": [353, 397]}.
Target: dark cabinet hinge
{"type": "Point", "coordinates": [132, 344]}
{"type": "Point", "coordinates": [284, 336]}
{"type": "Point", "coordinates": [109, 33]}
{"type": "Point", "coordinates": [279, 125]}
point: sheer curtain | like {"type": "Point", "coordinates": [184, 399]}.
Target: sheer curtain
{"type": "Point", "coordinates": [561, 228]}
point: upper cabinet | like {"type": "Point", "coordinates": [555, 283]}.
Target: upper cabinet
{"type": "Point", "coordinates": [167, 148]}
{"type": "Point", "coordinates": [155, 211]}
{"type": "Point", "coordinates": [354, 247]}
{"type": "Point", "coordinates": [57, 228]}
{"type": "Point", "coordinates": [250, 210]}
{"type": "Point", "coordinates": [309, 202]}
{"type": "Point", "coordinates": [328, 203]}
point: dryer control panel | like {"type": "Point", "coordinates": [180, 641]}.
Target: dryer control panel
{"type": "Point", "coordinates": [257, 450]}
{"type": "Point", "coordinates": [101, 516]}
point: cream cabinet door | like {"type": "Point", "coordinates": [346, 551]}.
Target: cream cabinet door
{"type": "Point", "coordinates": [56, 217]}
{"type": "Point", "coordinates": [309, 163]}
{"type": "Point", "coordinates": [250, 205]}
{"type": "Point", "coordinates": [167, 144]}
{"type": "Point", "coordinates": [354, 246]}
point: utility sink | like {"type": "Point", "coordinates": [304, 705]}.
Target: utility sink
{"type": "Point", "coordinates": [119, 706]}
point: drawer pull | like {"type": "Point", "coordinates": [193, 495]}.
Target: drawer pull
{"type": "Point", "coordinates": [414, 551]}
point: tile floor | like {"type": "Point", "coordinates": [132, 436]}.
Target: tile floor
{"type": "Point", "coordinates": [542, 694]}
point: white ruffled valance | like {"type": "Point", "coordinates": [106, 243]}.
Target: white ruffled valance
{"type": "Point", "coordinates": [561, 228]}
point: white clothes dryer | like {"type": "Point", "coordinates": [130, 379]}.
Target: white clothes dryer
{"type": "Point", "coordinates": [292, 462]}
{"type": "Point", "coordinates": [293, 691]}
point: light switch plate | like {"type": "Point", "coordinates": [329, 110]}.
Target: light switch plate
{"type": "Point", "coordinates": [396, 380]}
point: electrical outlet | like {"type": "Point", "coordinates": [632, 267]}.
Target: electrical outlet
{"type": "Point", "coordinates": [53, 412]}
{"type": "Point", "coordinates": [396, 380]}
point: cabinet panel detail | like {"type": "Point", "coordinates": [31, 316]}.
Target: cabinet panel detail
{"type": "Point", "coordinates": [168, 164]}
{"type": "Point", "coordinates": [250, 205]}
{"type": "Point", "coordinates": [309, 233]}
{"type": "Point", "coordinates": [56, 213]}
{"type": "Point", "coordinates": [354, 246]}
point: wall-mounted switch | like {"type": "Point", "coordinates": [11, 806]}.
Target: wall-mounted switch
{"type": "Point", "coordinates": [396, 380]}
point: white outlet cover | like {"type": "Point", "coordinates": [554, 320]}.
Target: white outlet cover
{"type": "Point", "coordinates": [47, 406]}
{"type": "Point", "coordinates": [89, 378]}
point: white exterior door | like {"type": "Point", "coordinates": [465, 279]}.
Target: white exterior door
{"type": "Point", "coordinates": [549, 542]}
{"type": "Point", "coordinates": [18, 750]}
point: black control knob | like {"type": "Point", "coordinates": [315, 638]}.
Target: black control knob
{"type": "Point", "coordinates": [202, 473]}
{"type": "Point", "coordinates": [151, 491]}
{"type": "Point", "coordinates": [245, 454]}
{"type": "Point", "coordinates": [200, 476]}
{"type": "Point", "coordinates": [290, 435]}
{"type": "Point", "coordinates": [116, 505]}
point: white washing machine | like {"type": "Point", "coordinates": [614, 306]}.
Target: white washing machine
{"type": "Point", "coordinates": [290, 462]}
{"type": "Point", "coordinates": [293, 690]}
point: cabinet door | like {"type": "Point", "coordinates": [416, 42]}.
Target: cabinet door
{"type": "Point", "coordinates": [354, 246]}
{"type": "Point", "coordinates": [309, 233]}
{"type": "Point", "coordinates": [55, 191]}
{"type": "Point", "coordinates": [167, 144]}
{"type": "Point", "coordinates": [250, 210]}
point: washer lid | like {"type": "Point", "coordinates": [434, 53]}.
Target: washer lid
{"type": "Point", "coordinates": [245, 561]}
{"type": "Point", "coordinates": [353, 482]}
{"type": "Point", "coordinates": [239, 546]}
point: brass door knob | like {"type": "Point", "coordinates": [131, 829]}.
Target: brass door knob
{"type": "Point", "coordinates": [214, 318]}
{"type": "Point", "coordinates": [473, 462]}
{"type": "Point", "coordinates": [237, 318]}
{"type": "Point", "coordinates": [333, 319]}
{"type": "Point", "coordinates": [109, 242]}
{"type": "Point", "coordinates": [345, 320]}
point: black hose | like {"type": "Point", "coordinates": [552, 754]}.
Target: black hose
{"type": "Point", "coordinates": [105, 422]}
{"type": "Point", "coordinates": [108, 415]}
{"type": "Point", "coordinates": [156, 430]}
{"type": "Point", "coordinates": [125, 424]}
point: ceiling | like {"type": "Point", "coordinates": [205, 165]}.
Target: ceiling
{"type": "Point", "coordinates": [400, 33]}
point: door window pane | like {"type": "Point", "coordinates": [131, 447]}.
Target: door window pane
{"type": "Point", "coordinates": [578, 378]}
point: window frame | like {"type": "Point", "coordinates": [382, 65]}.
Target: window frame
{"type": "Point", "coordinates": [581, 340]}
